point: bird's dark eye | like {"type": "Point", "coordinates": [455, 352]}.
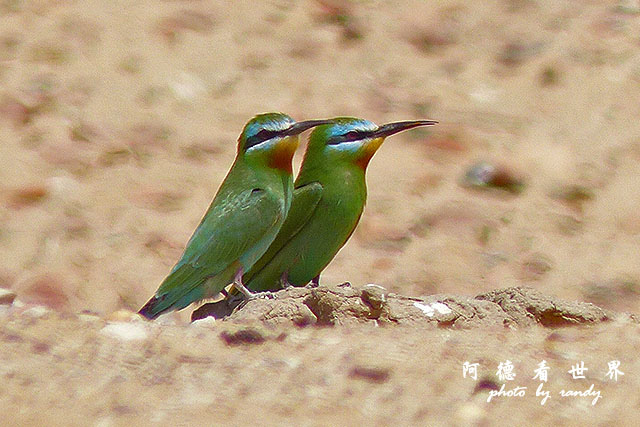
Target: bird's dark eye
{"type": "Point", "coordinates": [352, 135]}
{"type": "Point", "coordinates": [265, 134]}
{"type": "Point", "coordinates": [262, 135]}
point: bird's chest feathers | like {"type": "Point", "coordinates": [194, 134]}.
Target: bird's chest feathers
{"type": "Point", "coordinates": [343, 210]}
{"type": "Point", "coordinates": [368, 151]}
{"type": "Point", "coordinates": [281, 156]}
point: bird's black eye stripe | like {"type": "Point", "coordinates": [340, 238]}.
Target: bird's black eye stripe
{"type": "Point", "coordinates": [262, 135]}
{"type": "Point", "coordinates": [353, 135]}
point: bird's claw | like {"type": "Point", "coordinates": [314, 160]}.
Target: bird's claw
{"type": "Point", "coordinates": [258, 295]}
{"type": "Point", "coordinates": [284, 281]}
{"type": "Point", "coordinates": [264, 295]}
{"type": "Point", "coordinates": [314, 283]}
{"type": "Point", "coordinates": [234, 300]}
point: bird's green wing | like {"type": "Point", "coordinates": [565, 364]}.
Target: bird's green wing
{"type": "Point", "coordinates": [233, 230]}
{"type": "Point", "coordinates": [303, 205]}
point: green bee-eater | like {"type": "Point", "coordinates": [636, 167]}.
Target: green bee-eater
{"type": "Point", "coordinates": [328, 200]}
{"type": "Point", "coordinates": [243, 218]}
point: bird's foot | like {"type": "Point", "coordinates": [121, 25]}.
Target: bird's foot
{"type": "Point", "coordinates": [264, 295]}
{"type": "Point", "coordinates": [243, 290]}
{"type": "Point", "coordinates": [234, 300]}
{"type": "Point", "coordinates": [284, 281]}
{"type": "Point", "coordinates": [248, 295]}
{"type": "Point", "coordinates": [314, 283]}
{"type": "Point", "coordinates": [257, 296]}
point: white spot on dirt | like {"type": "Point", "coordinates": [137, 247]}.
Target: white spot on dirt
{"type": "Point", "coordinates": [188, 87]}
{"type": "Point", "coordinates": [430, 309]}
{"type": "Point", "coordinates": [63, 186]}
{"type": "Point", "coordinates": [441, 308]}
{"type": "Point", "coordinates": [104, 422]}
{"type": "Point", "coordinates": [207, 321]}
{"type": "Point", "coordinates": [426, 309]}
{"type": "Point", "coordinates": [484, 94]}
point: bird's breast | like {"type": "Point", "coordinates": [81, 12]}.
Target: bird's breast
{"type": "Point", "coordinates": [368, 150]}
{"type": "Point", "coordinates": [282, 154]}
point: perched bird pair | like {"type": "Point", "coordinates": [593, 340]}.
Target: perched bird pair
{"type": "Point", "coordinates": [262, 231]}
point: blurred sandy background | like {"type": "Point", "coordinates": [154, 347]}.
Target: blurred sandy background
{"type": "Point", "coordinates": [118, 121]}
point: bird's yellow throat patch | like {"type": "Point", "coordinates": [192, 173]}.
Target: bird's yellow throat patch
{"type": "Point", "coordinates": [283, 153]}
{"type": "Point", "coordinates": [368, 151]}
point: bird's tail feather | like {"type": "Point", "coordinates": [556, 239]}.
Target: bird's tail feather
{"type": "Point", "coordinates": [177, 291]}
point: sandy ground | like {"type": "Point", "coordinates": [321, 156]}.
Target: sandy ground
{"type": "Point", "coordinates": [118, 120]}
{"type": "Point", "coordinates": [352, 368]}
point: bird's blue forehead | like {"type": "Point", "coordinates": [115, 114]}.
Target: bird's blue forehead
{"type": "Point", "coordinates": [269, 121]}
{"type": "Point", "coordinates": [343, 125]}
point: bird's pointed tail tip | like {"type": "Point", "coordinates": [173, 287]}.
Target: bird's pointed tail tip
{"type": "Point", "coordinates": [150, 309]}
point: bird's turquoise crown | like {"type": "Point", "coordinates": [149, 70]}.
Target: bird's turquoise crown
{"type": "Point", "coordinates": [263, 127]}
{"type": "Point", "coordinates": [346, 129]}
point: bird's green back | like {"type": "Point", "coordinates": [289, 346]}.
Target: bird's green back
{"type": "Point", "coordinates": [236, 230]}
{"type": "Point", "coordinates": [242, 220]}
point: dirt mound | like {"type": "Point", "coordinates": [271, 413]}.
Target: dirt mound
{"type": "Point", "coordinates": [345, 304]}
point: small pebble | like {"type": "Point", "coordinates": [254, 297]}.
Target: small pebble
{"type": "Point", "coordinates": [243, 336]}
{"type": "Point", "coordinates": [84, 317]}
{"type": "Point", "coordinates": [123, 316]}
{"type": "Point", "coordinates": [205, 321]}
{"type": "Point", "coordinates": [470, 413]}
{"type": "Point", "coordinates": [374, 374]}
{"type": "Point", "coordinates": [485, 175]}
{"type": "Point", "coordinates": [125, 331]}
{"type": "Point", "coordinates": [374, 295]}
{"type": "Point", "coordinates": [7, 297]}
{"type": "Point", "coordinates": [38, 311]}
{"type": "Point", "coordinates": [250, 335]}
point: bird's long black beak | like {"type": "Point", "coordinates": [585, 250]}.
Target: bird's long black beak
{"type": "Point", "coordinates": [395, 127]}
{"type": "Point", "coordinates": [300, 127]}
